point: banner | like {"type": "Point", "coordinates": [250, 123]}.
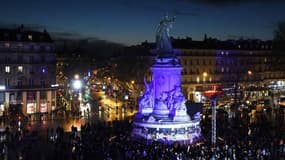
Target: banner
{"type": "Point", "coordinates": [43, 108]}
{"type": "Point", "coordinates": [31, 108]}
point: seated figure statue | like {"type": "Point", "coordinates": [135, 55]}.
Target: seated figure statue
{"type": "Point", "coordinates": [177, 102]}
{"type": "Point", "coordinates": [146, 101]}
{"type": "Point", "coordinates": [172, 97]}
{"type": "Point", "coordinates": [161, 109]}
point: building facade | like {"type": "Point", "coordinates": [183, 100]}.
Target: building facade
{"type": "Point", "coordinates": [28, 71]}
{"type": "Point", "coordinates": [238, 72]}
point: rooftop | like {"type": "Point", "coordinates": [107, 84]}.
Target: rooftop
{"type": "Point", "coordinates": [22, 34]}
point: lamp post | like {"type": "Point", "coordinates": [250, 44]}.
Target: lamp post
{"type": "Point", "coordinates": [126, 98]}
{"type": "Point", "coordinates": [213, 95]}
{"type": "Point", "coordinates": [205, 74]}
{"type": "Point", "coordinates": [134, 95]}
{"type": "Point", "coordinates": [249, 73]}
{"type": "Point", "coordinates": [77, 85]}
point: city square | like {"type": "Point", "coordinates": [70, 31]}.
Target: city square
{"type": "Point", "coordinates": [151, 86]}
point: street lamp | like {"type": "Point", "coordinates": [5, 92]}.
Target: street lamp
{"type": "Point", "coordinates": [213, 95]}
{"type": "Point", "coordinates": [249, 72]}
{"type": "Point", "coordinates": [126, 98]}
{"type": "Point", "coordinates": [205, 74]}
{"type": "Point", "coordinates": [77, 85]}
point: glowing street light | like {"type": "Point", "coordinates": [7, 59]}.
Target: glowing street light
{"type": "Point", "coordinates": [76, 76]}
{"type": "Point", "coordinates": [2, 87]}
{"type": "Point", "coordinates": [249, 72]}
{"type": "Point", "coordinates": [126, 97]}
{"type": "Point", "coordinates": [77, 84]}
{"type": "Point", "coordinates": [213, 95]}
{"type": "Point", "coordinates": [205, 74]}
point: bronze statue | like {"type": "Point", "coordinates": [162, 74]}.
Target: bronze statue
{"type": "Point", "coordinates": [163, 43]}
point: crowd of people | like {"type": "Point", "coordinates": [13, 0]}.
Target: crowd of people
{"type": "Point", "coordinates": [237, 138]}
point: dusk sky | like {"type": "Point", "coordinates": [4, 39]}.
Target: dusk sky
{"type": "Point", "coordinates": [134, 21]}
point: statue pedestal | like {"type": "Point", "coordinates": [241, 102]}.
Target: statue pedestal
{"type": "Point", "coordinates": [167, 119]}
{"type": "Point", "coordinates": [181, 115]}
{"type": "Point", "coordinates": [146, 111]}
{"type": "Point", "coordinates": [160, 110]}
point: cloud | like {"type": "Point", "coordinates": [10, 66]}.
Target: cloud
{"type": "Point", "coordinates": [180, 12]}
{"type": "Point", "coordinates": [65, 35]}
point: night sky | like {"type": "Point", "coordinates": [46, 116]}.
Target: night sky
{"type": "Point", "coordinates": [134, 21]}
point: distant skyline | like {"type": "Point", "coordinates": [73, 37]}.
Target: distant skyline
{"type": "Point", "coordinates": [134, 21]}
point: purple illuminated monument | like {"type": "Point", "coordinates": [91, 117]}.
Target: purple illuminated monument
{"type": "Point", "coordinates": [162, 114]}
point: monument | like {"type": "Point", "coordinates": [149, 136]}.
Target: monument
{"type": "Point", "coordinates": [162, 114]}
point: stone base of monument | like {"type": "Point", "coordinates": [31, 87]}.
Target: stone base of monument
{"type": "Point", "coordinates": [146, 111]}
{"type": "Point", "coordinates": [167, 131]}
{"type": "Point", "coordinates": [179, 115]}
{"type": "Point", "coordinates": [163, 94]}
{"type": "Point", "coordinates": [161, 114]}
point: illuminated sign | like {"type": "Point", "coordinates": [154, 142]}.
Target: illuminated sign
{"type": "Point", "coordinates": [31, 108]}
{"type": "Point", "coordinates": [2, 87]}
{"type": "Point", "coordinates": [43, 107]}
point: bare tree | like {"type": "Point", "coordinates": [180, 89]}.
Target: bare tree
{"type": "Point", "coordinates": [279, 33]}
{"type": "Point", "coordinates": [279, 36]}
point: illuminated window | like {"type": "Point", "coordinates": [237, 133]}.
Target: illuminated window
{"type": "Point", "coordinates": [7, 69]}
{"type": "Point", "coordinates": [20, 69]}
{"type": "Point", "coordinates": [43, 70]}
{"type": "Point", "coordinates": [222, 69]}
{"type": "Point", "coordinates": [198, 79]}
{"type": "Point", "coordinates": [30, 37]}
{"type": "Point", "coordinates": [7, 45]}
